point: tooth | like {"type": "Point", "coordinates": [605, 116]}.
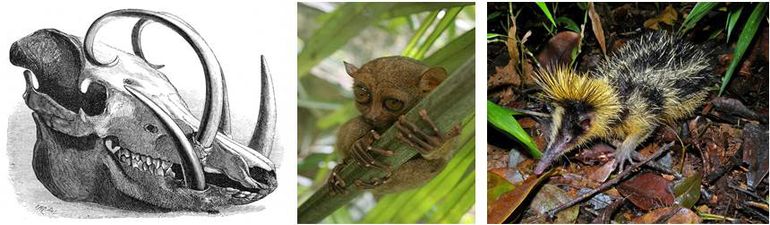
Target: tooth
{"type": "Point", "coordinates": [135, 161]}
{"type": "Point", "coordinates": [156, 163]}
{"type": "Point", "coordinates": [170, 173]}
{"type": "Point", "coordinates": [239, 195]}
{"type": "Point", "coordinates": [82, 114]}
{"type": "Point", "coordinates": [135, 156]}
{"type": "Point", "coordinates": [165, 165]}
{"type": "Point", "coordinates": [229, 189]}
{"type": "Point", "coordinates": [84, 85]}
{"type": "Point", "coordinates": [159, 172]}
{"type": "Point", "coordinates": [252, 195]}
{"type": "Point", "coordinates": [108, 144]}
{"type": "Point", "coordinates": [245, 192]}
{"type": "Point", "coordinates": [147, 160]}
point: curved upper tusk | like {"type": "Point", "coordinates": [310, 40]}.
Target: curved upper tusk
{"type": "Point", "coordinates": [264, 133]}
{"type": "Point", "coordinates": [213, 106]}
{"type": "Point", "coordinates": [193, 170]}
{"type": "Point", "coordinates": [136, 41]}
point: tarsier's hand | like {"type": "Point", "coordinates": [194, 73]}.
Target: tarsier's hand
{"type": "Point", "coordinates": [426, 144]}
{"type": "Point", "coordinates": [361, 153]}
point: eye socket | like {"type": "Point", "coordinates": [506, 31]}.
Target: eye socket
{"type": "Point", "coordinates": [362, 94]}
{"type": "Point", "coordinates": [151, 128]}
{"type": "Point", "coordinates": [394, 104]}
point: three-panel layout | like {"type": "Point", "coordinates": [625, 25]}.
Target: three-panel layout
{"type": "Point", "coordinates": [595, 113]}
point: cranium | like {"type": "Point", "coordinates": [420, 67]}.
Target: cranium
{"type": "Point", "coordinates": [119, 134]}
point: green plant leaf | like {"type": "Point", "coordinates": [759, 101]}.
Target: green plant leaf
{"type": "Point", "coordinates": [502, 118]}
{"type": "Point", "coordinates": [687, 192]}
{"type": "Point", "coordinates": [348, 20]}
{"type": "Point", "coordinates": [448, 19]}
{"type": "Point", "coordinates": [568, 23]}
{"type": "Point", "coordinates": [732, 19]}
{"type": "Point", "coordinates": [493, 36]}
{"type": "Point", "coordinates": [454, 53]}
{"type": "Point", "coordinates": [697, 13]}
{"type": "Point", "coordinates": [546, 11]}
{"type": "Point", "coordinates": [410, 50]}
{"type": "Point", "coordinates": [744, 40]}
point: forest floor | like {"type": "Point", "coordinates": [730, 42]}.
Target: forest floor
{"type": "Point", "coordinates": [719, 155]}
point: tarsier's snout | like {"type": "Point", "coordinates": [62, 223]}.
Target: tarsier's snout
{"type": "Point", "coordinates": [112, 129]}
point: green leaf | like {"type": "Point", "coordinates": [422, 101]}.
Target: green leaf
{"type": "Point", "coordinates": [410, 50]}
{"type": "Point", "coordinates": [546, 11]}
{"type": "Point", "coordinates": [732, 19]}
{"type": "Point", "coordinates": [744, 40]}
{"type": "Point", "coordinates": [698, 12]}
{"type": "Point", "coordinates": [568, 23]}
{"type": "Point", "coordinates": [455, 53]}
{"type": "Point", "coordinates": [687, 193]}
{"type": "Point", "coordinates": [493, 36]}
{"type": "Point", "coordinates": [502, 118]}
{"type": "Point", "coordinates": [443, 24]}
{"type": "Point", "coordinates": [348, 20]}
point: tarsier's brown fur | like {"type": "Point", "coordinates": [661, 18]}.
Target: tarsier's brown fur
{"type": "Point", "coordinates": [385, 89]}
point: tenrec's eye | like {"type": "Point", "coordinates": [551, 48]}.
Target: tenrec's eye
{"type": "Point", "coordinates": [362, 94]}
{"type": "Point", "coordinates": [393, 104]}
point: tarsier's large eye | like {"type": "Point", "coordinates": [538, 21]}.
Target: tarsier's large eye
{"type": "Point", "coordinates": [394, 104]}
{"type": "Point", "coordinates": [362, 94]}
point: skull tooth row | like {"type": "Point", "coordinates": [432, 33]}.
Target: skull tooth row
{"type": "Point", "coordinates": [142, 162]}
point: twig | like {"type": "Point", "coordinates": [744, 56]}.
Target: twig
{"type": "Point", "coordinates": [610, 183]}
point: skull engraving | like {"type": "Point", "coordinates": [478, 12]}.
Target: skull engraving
{"type": "Point", "coordinates": [118, 133]}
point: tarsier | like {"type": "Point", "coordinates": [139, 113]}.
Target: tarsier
{"type": "Point", "coordinates": [385, 89]}
{"type": "Point", "coordinates": [118, 133]}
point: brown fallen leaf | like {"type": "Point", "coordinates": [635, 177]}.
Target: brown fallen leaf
{"type": "Point", "coordinates": [755, 153]}
{"type": "Point", "coordinates": [733, 106]}
{"type": "Point", "coordinates": [668, 16]}
{"type": "Point", "coordinates": [496, 157]}
{"type": "Point", "coordinates": [502, 208]}
{"type": "Point", "coordinates": [675, 215]}
{"type": "Point", "coordinates": [602, 173]}
{"type": "Point", "coordinates": [547, 198]}
{"type": "Point", "coordinates": [647, 191]}
{"type": "Point", "coordinates": [596, 26]}
{"type": "Point", "coordinates": [558, 51]}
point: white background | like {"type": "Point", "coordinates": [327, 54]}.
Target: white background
{"type": "Point", "coordinates": [237, 32]}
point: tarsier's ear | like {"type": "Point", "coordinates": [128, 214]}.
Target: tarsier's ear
{"type": "Point", "coordinates": [431, 78]}
{"type": "Point", "coordinates": [350, 69]}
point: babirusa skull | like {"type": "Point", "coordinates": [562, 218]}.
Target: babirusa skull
{"type": "Point", "coordinates": [117, 132]}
